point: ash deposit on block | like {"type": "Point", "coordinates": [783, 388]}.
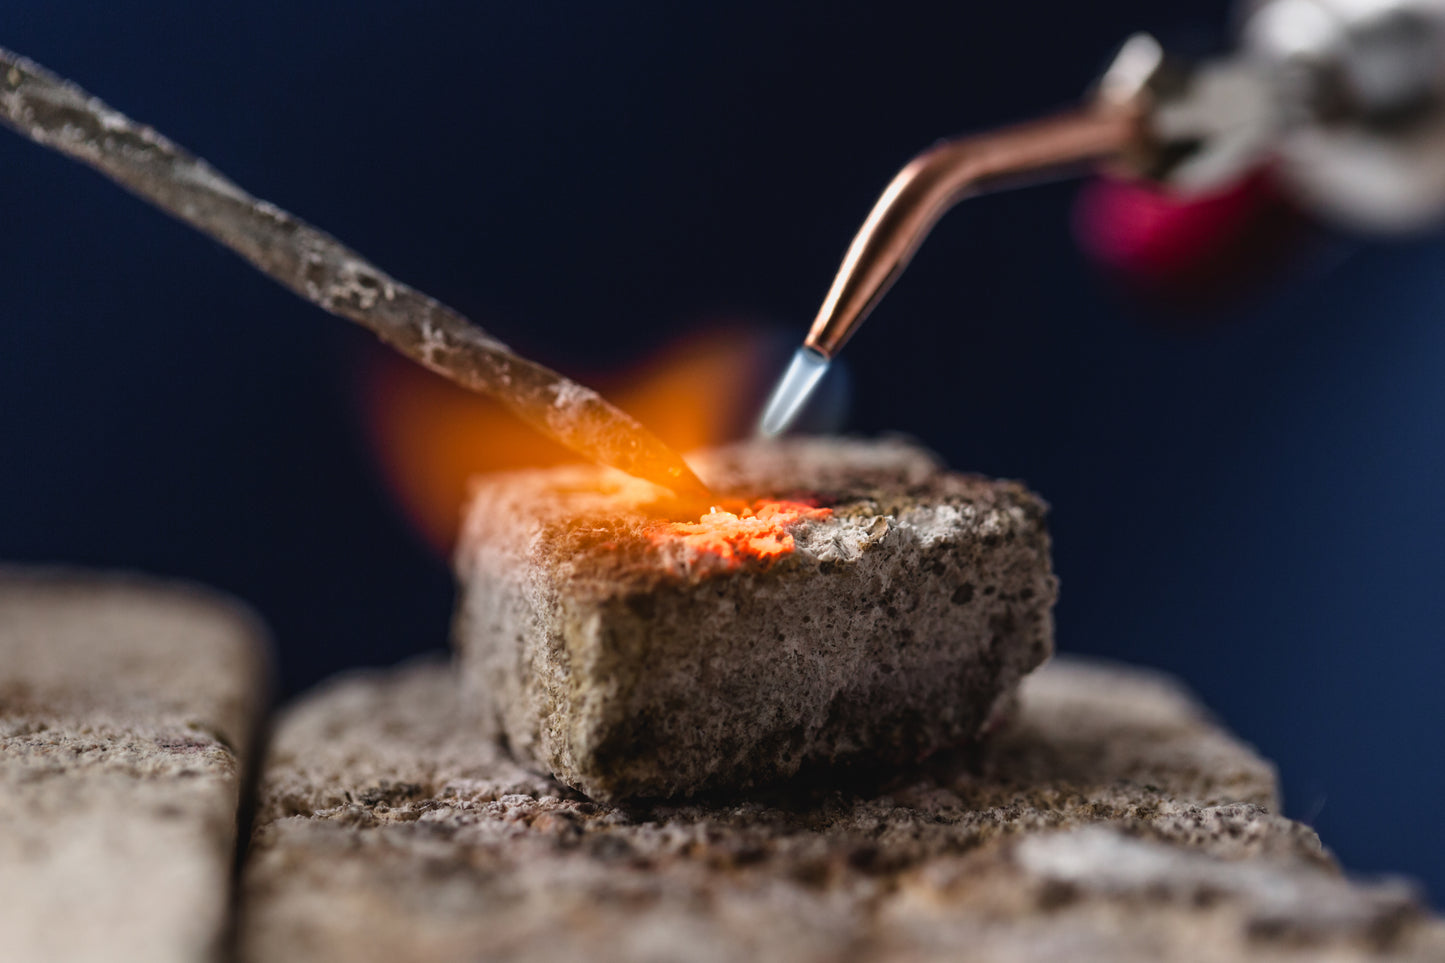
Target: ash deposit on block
{"type": "Point", "coordinates": [846, 603]}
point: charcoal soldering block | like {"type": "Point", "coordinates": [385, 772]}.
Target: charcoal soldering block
{"type": "Point", "coordinates": [846, 604]}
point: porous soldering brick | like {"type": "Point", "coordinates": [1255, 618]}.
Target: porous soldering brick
{"type": "Point", "coordinates": [628, 663]}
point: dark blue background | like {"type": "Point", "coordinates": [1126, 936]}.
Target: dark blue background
{"type": "Point", "coordinates": [1256, 508]}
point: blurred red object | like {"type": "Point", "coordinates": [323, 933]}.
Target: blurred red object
{"type": "Point", "coordinates": [1187, 255]}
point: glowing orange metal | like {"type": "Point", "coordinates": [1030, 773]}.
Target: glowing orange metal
{"type": "Point", "coordinates": [431, 436]}
{"type": "Point", "coordinates": [740, 531]}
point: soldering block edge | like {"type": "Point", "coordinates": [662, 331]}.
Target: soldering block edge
{"type": "Point", "coordinates": [899, 624]}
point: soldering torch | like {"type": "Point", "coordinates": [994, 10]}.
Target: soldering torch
{"type": "Point", "coordinates": [1345, 99]}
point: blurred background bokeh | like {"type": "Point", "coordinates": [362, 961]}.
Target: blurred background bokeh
{"type": "Point", "coordinates": [643, 194]}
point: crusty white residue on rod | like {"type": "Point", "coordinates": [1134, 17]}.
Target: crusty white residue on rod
{"type": "Point", "coordinates": [313, 264]}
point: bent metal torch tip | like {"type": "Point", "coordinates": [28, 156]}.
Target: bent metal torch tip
{"type": "Point", "coordinates": [917, 197]}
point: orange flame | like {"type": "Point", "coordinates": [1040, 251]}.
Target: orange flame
{"type": "Point", "coordinates": [759, 531]}
{"type": "Point", "coordinates": [431, 436]}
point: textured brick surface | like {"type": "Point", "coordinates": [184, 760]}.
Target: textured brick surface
{"type": "Point", "coordinates": [1110, 820]}
{"type": "Point", "coordinates": [126, 715]}
{"type": "Point", "coordinates": [628, 663]}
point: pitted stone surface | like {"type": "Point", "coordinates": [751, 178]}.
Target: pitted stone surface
{"type": "Point", "coordinates": [1109, 820]}
{"type": "Point", "coordinates": [126, 714]}
{"type": "Point", "coordinates": [631, 666]}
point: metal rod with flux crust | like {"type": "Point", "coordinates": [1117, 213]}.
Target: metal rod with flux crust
{"type": "Point", "coordinates": [59, 115]}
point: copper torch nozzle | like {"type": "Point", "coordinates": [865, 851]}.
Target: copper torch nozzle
{"type": "Point", "coordinates": [917, 197]}
{"type": "Point", "coordinates": [936, 180]}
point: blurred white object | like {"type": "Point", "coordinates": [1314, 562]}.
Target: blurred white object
{"type": "Point", "coordinates": [1362, 88]}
